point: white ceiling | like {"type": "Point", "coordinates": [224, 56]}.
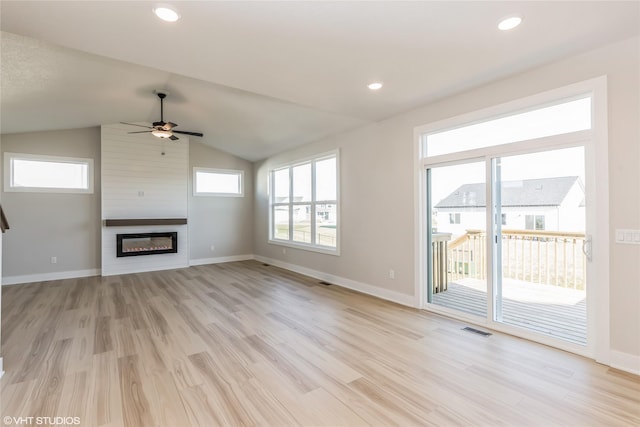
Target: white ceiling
{"type": "Point", "coordinates": [261, 77]}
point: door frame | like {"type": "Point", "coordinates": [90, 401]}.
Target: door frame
{"type": "Point", "coordinates": [595, 141]}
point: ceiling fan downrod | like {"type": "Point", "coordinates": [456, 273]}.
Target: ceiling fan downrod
{"type": "Point", "coordinates": [162, 96]}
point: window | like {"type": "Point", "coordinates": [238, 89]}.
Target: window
{"type": "Point", "coordinates": [47, 174]}
{"type": "Point", "coordinates": [560, 118]}
{"type": "Point", "coordinates": [304, 204]}
{"type": "Point", "coordinates": [454, 218]}
{"type": "Point", "coordinates": [534, 222]}
{"type": "Point", "coordinates": [218, 182]}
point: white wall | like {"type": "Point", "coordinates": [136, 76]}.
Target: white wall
{"type": "Point", "coordinates": [143, 177]}
{"type": "Point", "coordinates": [377, 186]}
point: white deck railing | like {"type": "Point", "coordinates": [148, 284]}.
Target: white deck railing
{"type": "Point", "coordinates": [549, 257]}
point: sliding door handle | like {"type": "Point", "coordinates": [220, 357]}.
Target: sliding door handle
{"type": "Point", "coordinates": [586, 247]}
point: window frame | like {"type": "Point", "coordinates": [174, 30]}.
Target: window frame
{"type": "Point", "coordinates": [313, 203]}
{"type": "Point", "coordinates": [237, 172]}
{"type": "Point", "coordinates": [8, 173]}
{"type": "Point", "coordinates": [534, 222]}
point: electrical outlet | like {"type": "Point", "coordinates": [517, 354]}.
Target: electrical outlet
{"type": "Point", "coordinates": [54, 260]}
{"type": "Point", "coordinates": [212, 247]}
{"type": "Point", "coordinates": [392, 274]}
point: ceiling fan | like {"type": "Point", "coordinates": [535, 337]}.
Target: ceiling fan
{"type": "Point", "coordinates": [163, 129]}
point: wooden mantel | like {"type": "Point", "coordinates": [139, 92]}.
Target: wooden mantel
{"type": "Point", "coordinates": [128, 222]}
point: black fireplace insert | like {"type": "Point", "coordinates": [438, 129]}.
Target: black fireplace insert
{"type": "Point", "coordinates": [147, 244]}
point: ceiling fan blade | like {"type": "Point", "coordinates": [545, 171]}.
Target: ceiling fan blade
{"type": "Point", "coordinates": [188, 133]}
{"type": "Point", "coordinates": [174, 138]}
{"type": "Point", "coordinates": [141, 131]}
{"type": "Point", "coordinates": [133, 124]}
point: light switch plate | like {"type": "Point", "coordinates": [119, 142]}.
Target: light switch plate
{"type": "Point", "coordinates": [628, 237]}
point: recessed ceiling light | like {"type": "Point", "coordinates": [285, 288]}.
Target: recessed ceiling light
{"type": "Point", "coordinates": [374, 85]}
{"type": "Point", "coordinates": [166, 13]}
{"type": "Point", "coordinates": [509, 23]}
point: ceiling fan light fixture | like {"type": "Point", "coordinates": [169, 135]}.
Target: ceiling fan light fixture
{"type": "Point", "coordinates": [161, 133]}
{"type": "Point", "coordinates": [166, 13]}
{"type": "Point", "coordinates": [375, 85]}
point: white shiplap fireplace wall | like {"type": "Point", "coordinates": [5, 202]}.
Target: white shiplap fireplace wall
{"type": "Point", "coordinates": [143, 177]}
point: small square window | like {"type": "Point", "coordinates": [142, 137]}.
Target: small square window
{"type": "Point", "coordinates": [534, 222]}
{"type": "Point", "coordinates": [218, 182]}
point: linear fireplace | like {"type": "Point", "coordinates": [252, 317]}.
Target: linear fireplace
{"type": "Point", "coordinates": [146, 244]}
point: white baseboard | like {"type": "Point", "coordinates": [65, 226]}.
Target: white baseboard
{"type": "Point", "coordinates": [218, 260]}
{"type": "Point", "coordinates": [386, 294]}
{"type": "Point", "coordinates": [42, 277]}
{"type": "Point", "coordinates": [625, 362]}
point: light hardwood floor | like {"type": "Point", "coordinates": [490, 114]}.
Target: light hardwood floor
{"type": "Point", "coordinates": [248, 344]}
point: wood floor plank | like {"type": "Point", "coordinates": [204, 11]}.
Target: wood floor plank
{"type": "Point", "coordinates": [163, 399]}
{"type": "Point", "coordinates": [200, 411]}
{"type": "Point", "coordinates": [250, 344]}
{"type": "Point", "coordinates": [105, 396]}
{"type": "Point", "coordinates": [135, 404]}
{"type": "Point", "coordinates": [48, 387]}
{"type": "Point", "coordinates": [74, 397]}
{"type": "Point", "coordinates": [102, 340]}
{"type": "Point", "coordinates": [224, 391]}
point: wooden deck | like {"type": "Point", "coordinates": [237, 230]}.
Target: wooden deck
{"type": "Point", "coordinates": [549, 310]}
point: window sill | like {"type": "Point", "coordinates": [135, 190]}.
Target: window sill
{"type": "Point", "coordinates": [319, 249]}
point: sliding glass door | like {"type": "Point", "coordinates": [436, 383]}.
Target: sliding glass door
{"type": "Point", "coordinates": [457, 249]}
{"type": "Point", "coordinates": [507, 210]}
{"type": "Point", "coordinates": [530, 270]}
{"type": "Point", "coordinates": [540, 207]}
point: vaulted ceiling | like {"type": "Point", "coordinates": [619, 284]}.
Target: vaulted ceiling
{"type": "Point", "coordinates": [261, 77]}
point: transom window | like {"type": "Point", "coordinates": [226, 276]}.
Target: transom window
{"type": "Point", "coordinates": [48, 174]}
{"type": "Point", "coordinates": [557, 119]}
{"type": "Point", "coordinates": [304, 204]}
{"type": "Point", "coordinates": [218, 182]}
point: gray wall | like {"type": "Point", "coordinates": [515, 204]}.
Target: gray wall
{"type": "Point", "coordinates": [224, 222]}
{"type": "Point", "coordinates": [43, 225]}
{"type": "Point", "coordinates": [377, 183]}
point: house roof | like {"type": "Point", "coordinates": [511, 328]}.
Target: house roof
{"type": "Point", "coordinates": [528, 192]}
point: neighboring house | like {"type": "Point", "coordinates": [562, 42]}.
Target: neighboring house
{"type": "Point", "coordinates": [552, 204]}
{"type": "Point", "coordinates": [326, 213]}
